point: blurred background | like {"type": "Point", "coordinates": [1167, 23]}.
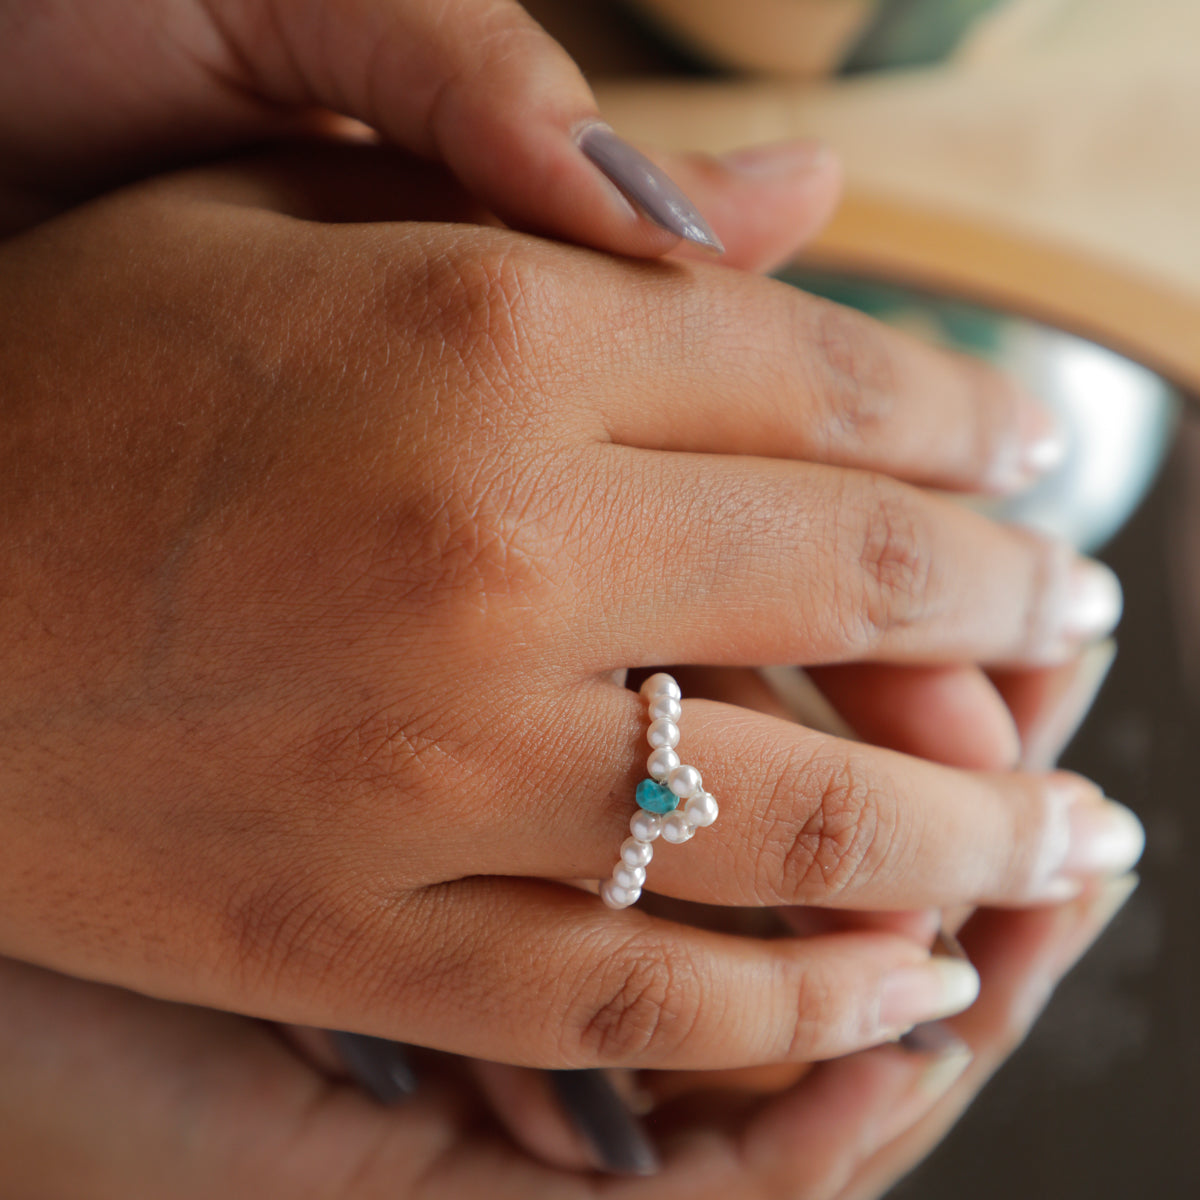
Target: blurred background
{"type": "Point", "coordinates": [1023, 182]}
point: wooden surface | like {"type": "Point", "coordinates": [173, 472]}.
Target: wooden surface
{"type": "Point", "coordinates": [1062, 176]}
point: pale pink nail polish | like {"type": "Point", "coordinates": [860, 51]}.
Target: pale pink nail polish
{"type": "Point", "coordinates": [938, 987]}
{"type": "Point", "coordinates": [1087, 837]}
{"type": "Point", "coordinates": [1106, 839]}
{"type": "Point", "coordinates": [778, 159]}
{"type": "Point", "coordinates": [1035, 447]}
{"type": "Point", "coordinates": [1093, 602]}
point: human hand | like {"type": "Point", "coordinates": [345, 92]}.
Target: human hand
{"type": "Point", "coordinates": [94, 93]}
{"type": "Point", "coordinates": [278, 487]}
{"type": "Point", "coordinates": [107, 1094]}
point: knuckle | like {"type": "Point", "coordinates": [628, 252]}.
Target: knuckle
{"type": "Point", "coordinates": [286, 931]}
{"type": "Point", "coordinates": [463, 548]}
{"type": "Point", "coordinates": [892, 560]}
{"type": "Point", "coordinates": [472, 521]}
{"type": "Point", "coordinates": [857, 376]}
{"type": "Point", "coordinates": [846, 829]}
{"type": "Point", "coordinates": [368, 749]}
{"type": "Point", "coordinates": [637, 1005]}
{"type": "Point", "coordinates": [481, 302]}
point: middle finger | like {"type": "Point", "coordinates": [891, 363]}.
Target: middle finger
{"type": "Point", "coordinates": [742, 561]}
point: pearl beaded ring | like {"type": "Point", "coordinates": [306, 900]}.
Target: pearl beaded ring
{"type": "Point", "coordinates": [672, 784]}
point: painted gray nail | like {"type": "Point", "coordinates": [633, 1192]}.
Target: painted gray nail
{"type": "Point", "coordinates": [644, 185]}
{"type": "Point", "coordinates": [935, 1039]}
{"type": "Point", "coordinates": [601, 1116]}
{"type": "Point", "coordinates": [379, 1066]}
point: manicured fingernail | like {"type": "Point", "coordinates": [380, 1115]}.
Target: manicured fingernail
{"type": "Point", "coordinates": [1106, 839]}
{"type": "Point", "coordinates": [938, 987]}
{"type": "Point", "coordinates": [1111, 898]}
{"type": "Point", "coordinates": [1044, 741]}
{"type": "Point", "coordinates": [943, 1073]}
{"type": "Point", "coordinates": [646, 186]}
{"type": "Point", "coordinates": [1093, 602]}
{"type": "Point", "coordinates": [1036, 447]}
{"type": "Point", "coordinates": [934, 1038]}
{"type": "Point", "coordinates": [379, 1066]}
{"type": "Point", "coordinates": [1087, 836]}
{"type": "Point", "coordinates": [777, 159]}
{"type": "Point", "coordinates": [943, 1068]}
{"type": "Point", "coordinates": [596, 1110]}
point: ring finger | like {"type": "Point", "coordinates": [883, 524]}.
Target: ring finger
{"type": "Point", "coordinates": [810, 819]}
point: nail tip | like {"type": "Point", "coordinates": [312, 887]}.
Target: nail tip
{"type": "Point", "coordinates": [960, 983]}
{"type": "Point", "coordinates": [705, 238]}
{"type": "Point", "coordinates": [1097, 601]}
{"type": "Point", "coordinates": [379, 1066]}
{"type": "Point", "coordinates": [646, 186]}
{"type": "Point", "coordinates": [1114, 896]}
{"type": "Point", "coordinates": [1107, 839]}
{"type": "Point", "coordinates": [1046, 453]}
{"type": "Point", "coordinates": [618, 1141]}
{"type": "Point", "coordinates": [933, 1038]}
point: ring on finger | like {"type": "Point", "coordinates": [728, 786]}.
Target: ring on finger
{"type": "Point", "coordinates": [672, 802]}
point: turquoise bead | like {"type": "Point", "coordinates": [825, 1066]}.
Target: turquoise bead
{"type": "Point", "coordinates": [655, 798]}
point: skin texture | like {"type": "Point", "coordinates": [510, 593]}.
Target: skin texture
{"type": "Point", "coordinates": [320, 473]}
{"type": "Point", "coordinates": [106, 1094]}
{"type": "Point", "coordinates": [473, 84]}
{"type": "Point", "coordinates": [114, 619]}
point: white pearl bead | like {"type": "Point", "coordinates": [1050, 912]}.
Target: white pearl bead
{"type": "Point", "coordinates": [660, 684]}
{"type": "Point", "coordinates": [616, 896]}
{"type": "Point", "coordinates": [663, 733]}
{"type": "Point", "coordinates": [661, 763]}
{"type": "Point", "coordinates": [677, 828]}
{"type": "Point", "coordinates": [629, 877]}
{"type": "Point", "coordinates": [645, 826]}
{"type": "Point", "coordinates": [636, 853]}
{"type": "Point", "coordinates": [666, 708]}
{"type": "Point", "coordinates": [684, 781]}
{"type": "Point", "coordinates": [701, 810]}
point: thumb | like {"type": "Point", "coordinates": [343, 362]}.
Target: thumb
{"type": "Point", "coordinates": [481, 87]}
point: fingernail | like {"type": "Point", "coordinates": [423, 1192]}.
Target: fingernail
{"type": "Point", "coordinates": [1087, 836]}
{"type": "Point", "coordinates": [379, 1066]}
{"type": "Point", "coordinates": [1106, 839]}
{"type": "Point", "coordinates": [646, 186]}
{"type": "Point", "coordinates": [777, 159]}
{"type": "Point", "coordinates": [1056, 725]}
{"type": "Point", "coordinates": [934, 1038]}
{"type": "Point", "coordinates": [1093, 601]}
{"type": "Point", "coordinates": [615, 1135]}
{"type": "Point", "coordinates": [944, 1072]}
{"type": "Point", "coordinates": [1037, 446]}
{"type": "Point", "coordinates": [938, 987]}
{"type": "Point", "coordinates": [1111, 898]}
